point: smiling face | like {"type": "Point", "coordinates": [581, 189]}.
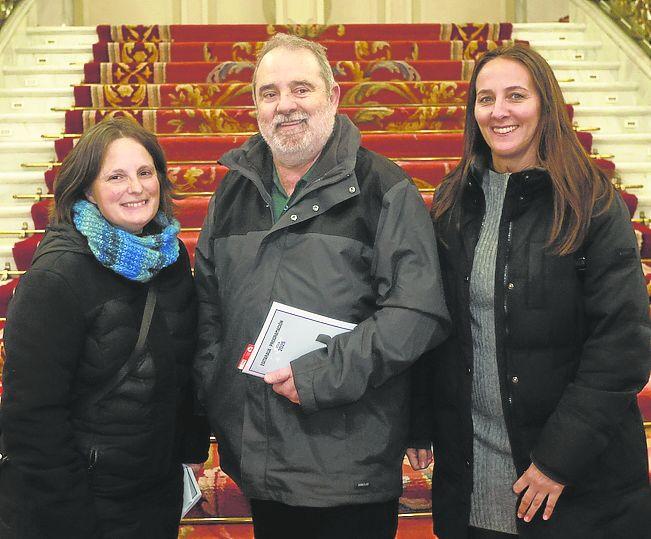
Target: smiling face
{"type": "Point", "coordinates": [295, 112]}
{"type": "Point", "coordinates": [507, 111]}
{"type": "Point", "coordinates": [126, 190]}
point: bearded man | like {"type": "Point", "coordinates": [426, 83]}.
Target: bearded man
{"type": "Point", "coordinates": [309, 218]}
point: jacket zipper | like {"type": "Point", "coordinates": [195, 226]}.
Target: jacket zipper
{"type": "Point", "coordinates": [506, 276]}
{"type": "Point", "coordinates": [92, 458]}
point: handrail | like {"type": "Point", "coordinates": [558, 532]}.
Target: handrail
{"type": "Point", "coordinates": [632, 16]}
{"type": "Point", "coordinates": [6, 8]}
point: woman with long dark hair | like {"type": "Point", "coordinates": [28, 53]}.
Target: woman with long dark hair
{"type": "Point", "coordinates": [531, 404]}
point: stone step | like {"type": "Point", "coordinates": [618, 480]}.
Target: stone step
{"type": "Point", "coordinates": [600, 93]}
{"type": "Point", "coordinates": [52, 55]}
{"type": "Point", "coordinates": [614, 118]}
{"type": "Point", "coordinates": [585, 71]}
{"type": "Point", "coordinates": [25, 125]}
{"type": "Point", "coordinates": [21, 183]}
{"type": "Point", "coordinates": [14, 153]}
{"type": "Point", "coordinates": [42, 76]}
{"type": "Point", "coordinates": [568, 50]}
{"type": "Point", "coordinates": [15, 217]}
{"type": "Point", "coordinates": [35, 100]}
{"type": "Point", "coordinates": [625, 147]}
{"type": "Point", "coordinates": [634, 174]}
{"type": "Point", "coordinates": [60, 35]}
{"type": "Point", "coordinates": [549, 30]}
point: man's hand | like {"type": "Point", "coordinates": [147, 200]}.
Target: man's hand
{"type": "Point", "coordinates": [538, 487]}
{"type": "Point", "coordinates": [282, 382]}
{"type": "Point", "coordinates": [419, 458]}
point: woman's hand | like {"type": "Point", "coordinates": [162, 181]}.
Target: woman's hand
{"type": "Point", "coordinates": [419, 458]}
{"type": "Point", "coordinates": [538, 487]}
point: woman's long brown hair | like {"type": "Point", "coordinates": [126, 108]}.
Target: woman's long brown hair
{"type": "Point", "coordinates": [577, 183]}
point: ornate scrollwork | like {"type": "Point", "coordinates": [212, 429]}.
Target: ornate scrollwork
{"type": "Point", "coordinates": [308, 31]}
{"type": "Point", "coordinates": [634, 16]}
{"type": "Point", "coordinates": [222, 71]}
{"type": "Point", "coordinates": [382, 92]}
{"type": "Point", "coordinates": [206, 96]}
{"type": "Point", "coordinates": [399, 70]}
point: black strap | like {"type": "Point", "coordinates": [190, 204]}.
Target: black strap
{"type": "Point", "coordinates": [150, 304]}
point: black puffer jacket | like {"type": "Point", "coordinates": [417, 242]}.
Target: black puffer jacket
{"type": "Point", "coordinates": [573, 350]}
{"type": "Point", "coordinates": [71, 325]}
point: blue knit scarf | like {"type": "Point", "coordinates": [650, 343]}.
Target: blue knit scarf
{"type": "Point", "coordinates": [138, 258]}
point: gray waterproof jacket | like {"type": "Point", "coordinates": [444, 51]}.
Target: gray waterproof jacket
{"type": "Point", "coordinates": [356, 244]}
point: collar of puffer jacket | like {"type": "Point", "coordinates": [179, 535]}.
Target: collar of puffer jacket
{"type": "Point", "coordinates": [524, 187]}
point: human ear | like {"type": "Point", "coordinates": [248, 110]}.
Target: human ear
{"type": "Point", "coordinates": [334, 94]}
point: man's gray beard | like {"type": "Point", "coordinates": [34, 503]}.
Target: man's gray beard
{"type": "Point", "coordinates": [296, 150]}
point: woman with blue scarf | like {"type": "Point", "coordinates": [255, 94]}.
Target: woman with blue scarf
{"type": "Point", "coordinates": [98, 409]}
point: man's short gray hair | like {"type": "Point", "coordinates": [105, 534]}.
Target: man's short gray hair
{"type": "Point", "coordinates": [293, 43]}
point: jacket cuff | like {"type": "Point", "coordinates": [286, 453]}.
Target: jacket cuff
{"type": "Point", "coordinates": [552, 475]}
{"type": "Point", "coordinates": [303, 369]}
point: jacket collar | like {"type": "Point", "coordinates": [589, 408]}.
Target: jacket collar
{"type": "Point", "coordinates": [524, 187]}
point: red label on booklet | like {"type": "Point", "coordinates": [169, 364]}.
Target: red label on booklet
{"type": "Point", "coordinates": [245, 356]}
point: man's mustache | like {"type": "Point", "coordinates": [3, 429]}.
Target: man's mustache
{"type": "Point", "coordinates": [286, 118]}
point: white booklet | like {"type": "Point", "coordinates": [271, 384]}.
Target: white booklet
{"type": "Point", "coordinates": [191, 490]}
{"type": "Point", "coordinates": [288, 333]}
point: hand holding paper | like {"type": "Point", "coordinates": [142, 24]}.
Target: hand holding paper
{"type": "Point", "coordinates": [282, 381]}
{"type": "Point", "coordinates": [287, 334]}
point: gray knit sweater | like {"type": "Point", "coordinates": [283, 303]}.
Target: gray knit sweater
{"type": "Point", "coordinates": [493, 501]}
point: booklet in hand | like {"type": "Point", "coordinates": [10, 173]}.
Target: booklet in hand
{"type": "Point", "coordinates": [288, 333]}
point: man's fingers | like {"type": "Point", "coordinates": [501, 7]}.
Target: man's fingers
{"type": "Point", "coordinates": [286, 389]}
{"type": "Point", "coordinates": [277, 376]}
{"type": "Point", "coordinates": [280, 388]}
{"type": "Point", "coordinates": [551, 504]}
{"type": "Point", "coordinates": [538, 499]}
{"type": "Point", "coordinates": [525, 502]}
{"type": "Point", "coordinates": [520, 484]}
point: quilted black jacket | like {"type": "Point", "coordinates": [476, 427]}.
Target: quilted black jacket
{"type": "Point", "coordinates": [573, 350]}
{"type": "Point", "coordinates": [71, 325]}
